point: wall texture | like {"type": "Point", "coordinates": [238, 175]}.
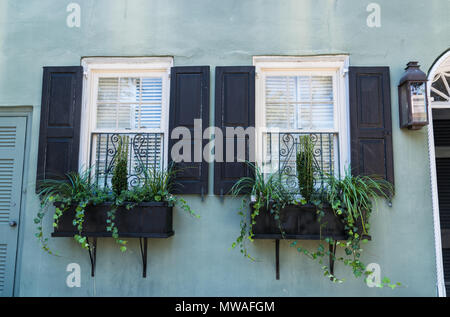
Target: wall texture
{"type": "Point", "coordinates": [198, 261]}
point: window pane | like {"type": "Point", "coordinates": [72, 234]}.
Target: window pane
{"type": "Point", "coordinates": [129, 103]}
{"type": "Point", "coordinates": [151, 90]}
{"type": "Point", "coordinates": [299, 102]}
{"type": "Point", "coordinates": [106, 116]}
{"type": "Point", "coordinates": [280, 115]}
{"type": "Point", "coordinates": [125, 119]}
{"type": "Point", "coordinates": [108, 89]}
{"type": "Point", "coordinates": [150, 114]}
{"type": "Point", "coordinates": [129, 90]}
{"type": "Point", "coordinates": [316, 116]}
{"type": "Point", "coordinates": [280, 92]}
{"type": "Point", "coordinates": [322, 88]}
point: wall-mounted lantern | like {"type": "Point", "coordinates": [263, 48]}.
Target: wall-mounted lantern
{"type": "Point", "coordinates": [413, 101]}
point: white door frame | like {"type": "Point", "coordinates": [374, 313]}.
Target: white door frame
{"type": "Point", "coordinates": [434, 188]}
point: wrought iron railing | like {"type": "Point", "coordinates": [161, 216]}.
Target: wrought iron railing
{"type": "Point", "coordinates": [280, 149]}
{"type": "Point", "coordinates": [145, 151]}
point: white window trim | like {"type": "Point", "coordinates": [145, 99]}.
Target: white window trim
{"type": "Point", "coordinates": [440, 104]}
{"type": "Point", "coordinates": [337, 65]}
{"type": "Point", "coordinates": [440, 64]}
{"type": "Point", "coordinates": [93, 67]}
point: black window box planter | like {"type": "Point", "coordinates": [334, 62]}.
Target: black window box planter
{"type": "Point", "coordinates": [298, 222]}
{"type": "Point", "coordinates": [144, 220]}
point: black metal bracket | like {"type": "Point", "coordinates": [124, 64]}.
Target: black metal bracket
{"type": "Point", "coordinates": [92, 254]}
{"type": "Point", "coordinates": [277, 258]}
{"type": "Point", "coordinates": [222, 197]}
{"type": "Point", "coordinates": [332, 257]}
{"type": "Point", "coordinates": [143, 242]}
{"type": "Point", "coordinates": [143, 246]}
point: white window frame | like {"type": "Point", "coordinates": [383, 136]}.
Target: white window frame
{"type": "Point", "coordinates": [331, 65]}
{"type": "Point", "coordinates": [96, 67]}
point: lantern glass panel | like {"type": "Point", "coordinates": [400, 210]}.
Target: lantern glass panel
{"type": "Point", "coordinates": [418, 102]}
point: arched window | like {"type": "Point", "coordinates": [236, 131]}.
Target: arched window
{"type": "Point", "coordinates": [440, 87]}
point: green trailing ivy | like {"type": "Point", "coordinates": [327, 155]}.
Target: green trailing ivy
{"type": "Point", "coordinates": [351, 199]}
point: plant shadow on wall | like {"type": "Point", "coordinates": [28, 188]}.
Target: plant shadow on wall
{"type": "Point", "coordinates": [84, 209]}
{"type": "Point", "coordinates": [337, 213]}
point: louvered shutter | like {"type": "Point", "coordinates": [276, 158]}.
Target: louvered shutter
{"type": "Point", "coordinates": [370, 120]}
{"type": "Point", "coordinates": [441, 128]}
{"type": "Point", "coordinates": [189, 100]}
{"type": "Point", "coordinates": [235, 107]}
{"type": "Point", "coordinates": [12, 148]}
{"type": "Point", "coordinates": [446, 264]}
{"type": "Point", "coordinates": [59, 135]}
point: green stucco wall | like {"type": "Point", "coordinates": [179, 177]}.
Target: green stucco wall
{"type": "Point", "coordinates": [198, 261]}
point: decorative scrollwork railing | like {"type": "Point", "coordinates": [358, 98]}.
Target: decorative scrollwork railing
{"type": "Point", "coordinates": [280, 152]}
{"type": "Point", "coordinates": [145, 151]}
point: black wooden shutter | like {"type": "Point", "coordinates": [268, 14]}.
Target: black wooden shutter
{"type": "Point", "coordinates": [189, 100]}
{"type": "Point", "coordinates": [59, 136]}
{"type": "Point", "coordinates": [371, 124]}
{"type": "Point", "coordinates": [235, 107]}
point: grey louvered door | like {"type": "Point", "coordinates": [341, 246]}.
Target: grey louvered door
{"type": "Point", "coordinates": [12, 147]}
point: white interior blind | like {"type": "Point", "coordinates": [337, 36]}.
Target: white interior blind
{"type": "Point", "coordinates": [299, 102]}
{"type": "Point", "coordinates": [129, 103]}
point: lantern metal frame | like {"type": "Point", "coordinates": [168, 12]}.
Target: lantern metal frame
{"type": "Point", "coordinates": [413, 75]}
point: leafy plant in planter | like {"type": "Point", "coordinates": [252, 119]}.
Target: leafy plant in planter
{"type": "Point", "coordinates": [157, 187]}
{"type": "Point", "coordinates": [347, 201]}
{"type": "Point", "coordinates": [306, 167]}
{"type": "Point", "coordinates": [351, 198]}
{"type": "Point", "coordinates": [120, 175]}
{"type": "Point", "coordinates": [119, 183]}
{"type": "Point", "coordinates": [76, 190]}
{"type": "Point", "coordinates": [269, 195]}
{"type": "Point", "coordinates": [79, 195]}
{"type": "Point", "coordinates": [272, 199]}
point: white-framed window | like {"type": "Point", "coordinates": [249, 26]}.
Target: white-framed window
{"type": "Point", "coordinates": [128, 99]}
{"type": "Point", "coordinates": [298, 96]}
